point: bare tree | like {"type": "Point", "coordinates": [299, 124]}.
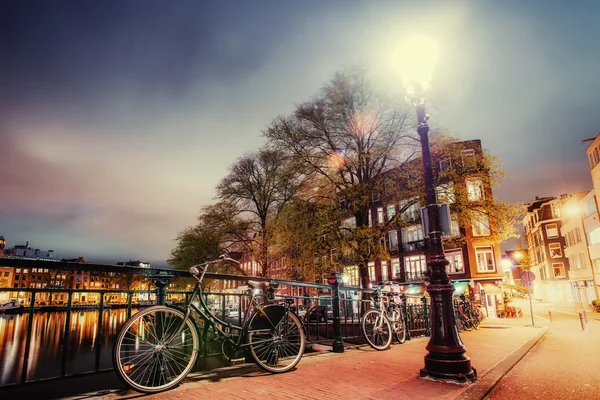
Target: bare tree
{"type": "Point", "coordinates": [255, 191]}
{"type": "Point", "coordinates": [347, 138]}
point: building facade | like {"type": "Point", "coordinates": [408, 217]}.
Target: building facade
{"type": "Point", "coordinates": [542, 229]}
{"type": "Point", "coordinates": [472, 252]}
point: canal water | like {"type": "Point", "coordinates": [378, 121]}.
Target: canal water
{"type": "Point", "coordinates": [45, 354]}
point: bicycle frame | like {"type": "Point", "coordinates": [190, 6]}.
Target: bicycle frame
{"type": "Point", "coordinates": [209, 317]}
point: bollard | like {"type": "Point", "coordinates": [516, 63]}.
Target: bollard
{"type": "Point", "coordinates": [334, 280]}
{"type": "Point", "coordinates": [585, 316]}
{"type": "Point", "coordinates": [582, 321]}
{"type": "Point", "coordinates": [550, 315]}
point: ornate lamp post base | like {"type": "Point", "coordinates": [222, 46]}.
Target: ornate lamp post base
{"type": "Point", "coordinates": [446, 360]}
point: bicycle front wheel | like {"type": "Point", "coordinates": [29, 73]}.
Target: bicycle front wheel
{"type": "Point", "coordinates": [376, 329]}
{"type": "Point", "coordinates": [279, 348]}
{"type": "Point", "coordinates": [155, 350]}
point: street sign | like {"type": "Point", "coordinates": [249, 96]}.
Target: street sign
{"type": "Point", "coordinates": [528, 276]}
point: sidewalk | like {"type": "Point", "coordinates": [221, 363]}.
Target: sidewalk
{"type": "Point", "coordinates": [363, 373]}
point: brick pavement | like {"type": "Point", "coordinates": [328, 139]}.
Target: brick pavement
{"type": "Point", "coordinates": [363, 373]}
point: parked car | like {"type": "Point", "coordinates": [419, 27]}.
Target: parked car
{"type": "Point", "coordinates": [232, 312]}
{"type": "Point", "coordinates": [319, 313]}
{"type": "Point", "coordinates": [300, 310]}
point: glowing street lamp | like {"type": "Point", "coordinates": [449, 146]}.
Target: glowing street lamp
{"type": "Point", "coordinates": [507, 269]}
{"type": "Point", "coordinates": [446, 359]}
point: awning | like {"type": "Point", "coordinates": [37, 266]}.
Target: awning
{"type": "Point", "coordinates": [490, 288]}
{"type": "Point", "coordinates": [460, 288]}
{"type": "Point", "coordinates": [414, 290]}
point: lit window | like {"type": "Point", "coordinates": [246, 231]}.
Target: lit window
{"type": "Point", "coordinates": [380, 215]}
{"type": "Point", "coordinates": [485, 259]}
{"type": "Point", "coordinates": [384, 271]}
{"type": "Point", "coordinates": [391, 211]}
{"type": "Point", "coordinates": [475, 189]}
{"type": "Point", "coordinates": [396, 266]}
{"type": "Point", "coordinates": [445, 193]}
{"type": "Point", "coordinates": [481, 224]}
{"type": "Point", "coordinates": [372, 271]}
{"type": "Point", "coordinates": [555, 250]}
{"type": "Point", "coordinates": [412, 234]}
{"type": "Point", "coordinates": [455, 259]}
{"type": "Point", "coordinates": [415, 267]}
{"type": "Point", "coordinates": [551, 231]}
{"type": "Point", "coordinates": [559, 270]}
{"type": "Point", "coordinates": [393, 237]}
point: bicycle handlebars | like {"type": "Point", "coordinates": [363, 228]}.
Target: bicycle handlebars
{"type": "Point", "coordinates": [194, 269]}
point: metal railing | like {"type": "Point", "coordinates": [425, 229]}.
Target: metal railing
{"type": "Point", "coordinates": [331, 314]}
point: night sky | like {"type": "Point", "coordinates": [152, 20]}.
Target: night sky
{"type": "Point", "coordinates": [118, 118]}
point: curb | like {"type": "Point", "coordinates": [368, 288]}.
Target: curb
{"type": "Point", "coordinates": [480, 389]}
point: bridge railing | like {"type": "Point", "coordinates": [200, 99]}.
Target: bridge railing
{"type": "Point", "coordinates": [65, 331]}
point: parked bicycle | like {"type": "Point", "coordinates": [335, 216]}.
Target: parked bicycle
{"type": "Point", "coordinates": [386, 318]}
{"type": "Point", "coordinates": [157, 347]}
{"type": "Point", "coordinates": [467, 316]}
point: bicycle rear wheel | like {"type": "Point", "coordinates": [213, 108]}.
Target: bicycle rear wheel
{"type": "Point", "coordinates": [154, 350]}
{"type": "Point", "coordinates": [376, 329]}
{"type": "Point", "coordinates": [277, 349]}
{"type": "Point", "coordinates": [398, 326]}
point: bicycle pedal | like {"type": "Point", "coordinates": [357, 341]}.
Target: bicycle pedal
{"type": "Point", "coordinates": [238, 361]}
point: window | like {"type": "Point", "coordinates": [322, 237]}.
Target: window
{"type": "Point", "coordinates": [412, 234]}
{"type": "Point", "coordinates": [481, 224]}
{"type": "Point", "coordinates": [372, 276]}
{"type": "Point", "coordinates": [349, 223]}
{"type": "Point", "coordinates": [396, 266]}
{"type": "Point", "coordinates": [454, 228]}
{"type": "Point", "coordinates": [391, 211]}
{"type": "Point", "coordinates": [415, 267]}
{"type": "Point", "coordinates": [412, 211]}
{"type": "Point", "coordinates": [375, 196]}
{"type": "Point", "coordinates": [589, 207]}
{"type": "Point", "coordinates": [445, 163]}
{"type": "Point", "coordinates": [455, 259]}
{"type": "Point", "coordinates": [577, 235]}
{"type": "Point", "coordinates": [468, 159]}
{"type": "Point", "coordinates": [594, 236]}
{"type": "Point", "coordinates": [555, 250]}
{"type": "Point", "coordinates": [393, 237]}
{"type": "Point", "coordinates": [551, 231]}
{"type": "Point", "coordinates": [559, 270]}
{"type": "Point", "coordinates": [352, 273]}
{"type": "Point", "coordinates": [445, 193]}
{"type": "Point", "coordinates": [384, 271]}
{"type": "Point", "coordinates": [475, 189]}
{"type": "Point", "coordinates": [380, 215]}
{"type": "Point", "coordinates": [485, 259]}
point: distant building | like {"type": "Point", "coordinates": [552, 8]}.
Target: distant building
{"type": "Point", "coordinates": [132, 263]}
{"type": "Point", "coordinates": [542, 228]}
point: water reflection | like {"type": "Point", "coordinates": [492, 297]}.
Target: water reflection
{"type": "Point", "coordinates": [46, 348]}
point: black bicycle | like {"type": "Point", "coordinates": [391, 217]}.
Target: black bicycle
{"type": "Point", "coordinates": [157, 347]}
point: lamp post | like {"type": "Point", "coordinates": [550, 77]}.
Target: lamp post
{"type": "Point", "coordinates": [446, 359]}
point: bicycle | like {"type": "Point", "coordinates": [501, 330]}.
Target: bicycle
{"type": "Point", "coordinates": [380, 322]}
{"type": "Point", "coordinates": [157, 347]}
